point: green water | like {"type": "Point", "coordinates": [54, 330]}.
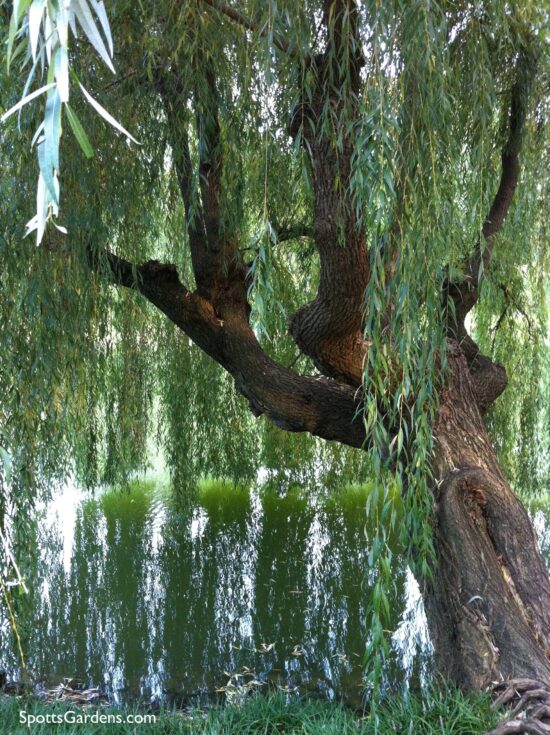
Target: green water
{"type": "Point", "coordinates": [150, 599]}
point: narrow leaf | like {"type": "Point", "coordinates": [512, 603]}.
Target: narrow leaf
{"type": "Point", "coordinates": [106, 116]}
{"type": "Point", "coordinates": [62, 73]}
{"type": "Point", "coordinates": [79, 132]}
{"type": "Point", "coordinates": [88, 24]}
{"type": "Point", "coordinates": [41, 210]}
{"type": "Point", "coordinates": [18, 8]}
{"type": "Point", "coordinates": [52, 128]}
{"type": "Point", "coordinates": [101, 13]}
{"type": "Point", "coordinates": [46, 175]}
{"type": "Point", "coordinates": [25, 100]}
{"type": "Point", "coordinates": [35, 19]}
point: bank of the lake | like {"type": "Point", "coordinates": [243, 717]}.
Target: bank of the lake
{"type": "Point", "coordinates": [443, 711]}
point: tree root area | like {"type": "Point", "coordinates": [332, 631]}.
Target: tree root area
{"type": "Point", "coordinates": [529, 700]}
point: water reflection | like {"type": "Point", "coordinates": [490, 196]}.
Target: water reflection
{"type": "Point", "coordinates": [148, 599]}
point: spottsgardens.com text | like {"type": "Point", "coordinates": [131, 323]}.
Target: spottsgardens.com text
{"type": "Point", "coordinates": [75, 717]}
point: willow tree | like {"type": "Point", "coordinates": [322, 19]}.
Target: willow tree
{"type": "Point", "coordinates": [342, 205]}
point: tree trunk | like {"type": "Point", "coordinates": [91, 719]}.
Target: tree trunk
{"type": "Point", "coordinates": [488, 604]}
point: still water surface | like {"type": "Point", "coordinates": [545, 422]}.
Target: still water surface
{"type": "Point", "coordinates": [148, 599]}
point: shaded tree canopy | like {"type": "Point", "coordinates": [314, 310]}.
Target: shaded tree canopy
{"type": "Point", "coordinates": [333, 207]}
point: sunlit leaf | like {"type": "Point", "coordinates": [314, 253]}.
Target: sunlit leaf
{"type": "Point", "coordinates": [26, 100]}
{"type": "Point", "coordinates": [85, 18]}
{"type": "Point", "coordinates": [107, 116]}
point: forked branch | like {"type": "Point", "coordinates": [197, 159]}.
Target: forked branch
{"type": "Point", "coordinates": [293, 402]}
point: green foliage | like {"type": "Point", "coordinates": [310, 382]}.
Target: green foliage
{"type": "Point", "coordinates": [511, 323]}
{"type": "Point", "coordinates": [447, 712]}
{"type": "Point", "coordinates": [90, 374]}
{"type": "Point", "coordinates": [38, 35]}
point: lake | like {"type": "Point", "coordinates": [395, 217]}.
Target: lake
{"type": "Point", "coordinates": [156, 599]}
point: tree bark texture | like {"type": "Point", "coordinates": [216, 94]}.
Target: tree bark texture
{"type": "Point", "coordinates": [488, 604]}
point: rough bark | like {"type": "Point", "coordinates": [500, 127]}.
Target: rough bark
{"type": "Point", "coordinates": [488, 603]}
{"type": "Point", "coordinates": [329, 328]}
{"type": "Point", "coordinates": [316, 404]}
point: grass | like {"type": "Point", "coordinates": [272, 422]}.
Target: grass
{"type": "Point", "coordinates": [442, 712]}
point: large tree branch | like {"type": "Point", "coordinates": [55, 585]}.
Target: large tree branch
{"type": "Point", "coordinates": [293, 402]}
{"type": "Point", "coordinates": [489, 378]}
{"type": "Point", "coordinates": [329, 329]}
{"type": "Point", "coordinates": [216, 315]}
{"type": "Point", "coordinates": [466, 292]}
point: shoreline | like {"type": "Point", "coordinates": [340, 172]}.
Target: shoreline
{"type": "Point", "coordinates": [444, 710]}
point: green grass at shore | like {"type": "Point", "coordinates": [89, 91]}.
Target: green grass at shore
{"type": "Point", "coordinates": [441, 712]}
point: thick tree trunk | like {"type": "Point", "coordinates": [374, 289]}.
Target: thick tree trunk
{"type": "Point", "coordinates": [488, 604]}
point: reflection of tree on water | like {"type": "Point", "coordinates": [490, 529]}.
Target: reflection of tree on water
{"type": "Point", "coordinates": [164, 598]}
{"type": "Point", "coordinates": [189, 587]}
{"type": "Point", "coordinates": [123, 620]}
{"type": "Point", "coordinates": [86, 595]}
{"type": "Point", "coordinates": [18, 575]}
{"type": "Point", "coordinates": [281, 582]}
